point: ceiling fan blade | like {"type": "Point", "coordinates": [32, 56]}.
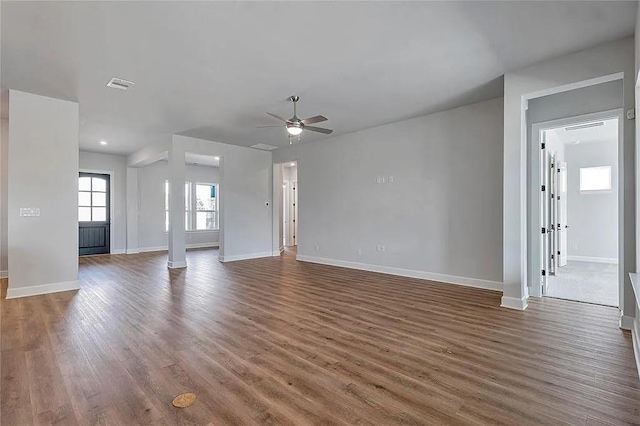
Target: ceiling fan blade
{"type": "Point", "coordinates": [276, 116]}
{"type": "Point", "coordinates": [318, 129]}
{"type": "Point", "coordinates": [316, 119]}
{"type": "Point", "coordinates": [273, 125]}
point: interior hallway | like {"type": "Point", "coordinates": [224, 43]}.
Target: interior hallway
{"type": "Point", "coordinates": [275, 341]}
{"type": "Point", "coordinates": [586, 282]}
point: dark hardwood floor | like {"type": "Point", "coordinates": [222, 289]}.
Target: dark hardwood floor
{"type": "Point", "coordinates": [275, 341]}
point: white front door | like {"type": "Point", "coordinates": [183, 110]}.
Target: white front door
{"type": "Point", "coordinates": [562, 214]}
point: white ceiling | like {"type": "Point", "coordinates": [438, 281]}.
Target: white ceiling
{"type": "Point", "coordinates": [212, 69]}
{"type": "Point", "coordinates": [607, 133]}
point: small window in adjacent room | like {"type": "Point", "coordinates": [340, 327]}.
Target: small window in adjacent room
{"type": "Point", "coordinates": [206, 206]}
{"type": "Point", "coordinates": [595, 179]}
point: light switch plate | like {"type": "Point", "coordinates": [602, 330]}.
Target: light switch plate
{"type": "Point", "coordinates": [29, 211]}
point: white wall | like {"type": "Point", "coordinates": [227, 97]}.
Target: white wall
{"type": "Point", "coordinates": [562, 73]}
{"type": "Point", "coordinates": [151, 225]}
{"type": "Point", "coordinates": [43, 173]}
{"type": "Point", "coordinates": [118, 166]}
{"type": "Point", "coordinates": [441, 216]}
{"type": "Point", "coordinates": [592, 218]}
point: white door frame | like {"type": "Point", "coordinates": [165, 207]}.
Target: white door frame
{"type": "Point", "coordinates": [534, 272]}
{"type": "Point", "coordinates": [111, 174]}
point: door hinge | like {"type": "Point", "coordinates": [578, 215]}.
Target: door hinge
{"type": "Point", "coordinates": [542, 145]}
{"type": "Point", "coordinates": [544, 272]}
{"type": "Point", "coordinates": [543, 188]}
{"type": "Point", "coordinates": [544, 230]}
{"type": "Point", "coordinates": [558, 252]}
{"type": "Point", "coordinates": [552, 257]}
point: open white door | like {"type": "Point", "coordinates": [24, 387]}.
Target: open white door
{"type": "Point", "coordinates": [294, 212]}
{"type": "Point", "coordinates": [562, 214]}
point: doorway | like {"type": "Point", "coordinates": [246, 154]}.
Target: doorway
{"type": "Point", "coordinates": [579, 208]}
{"type": "Point", "coordinates": [290, 204]}
{"type": "Point", "coordinates": [94, 213]}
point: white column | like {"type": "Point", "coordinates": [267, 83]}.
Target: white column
{"type": "Point", "coordinates": [177, 244]}
{"type": "Point", "coordinates": [132, 211]}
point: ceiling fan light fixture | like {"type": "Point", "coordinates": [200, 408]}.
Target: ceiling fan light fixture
{"type": "Point", "coordinates": [294, 129]}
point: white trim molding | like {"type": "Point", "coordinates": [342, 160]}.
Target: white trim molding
{"type": "Point", "coordinates": [514, 303]}
{"type": "Point", "coordinates": [611, 260]}
{"type": "Point", "coordinates": [236, 257]}
{"type": "Point", "coordinates": [4, 274]}
{"type": "Point", "coordinates": [177, 265]}
{"type": "Point", "coordinates": [166, 248]}
{"type": "Point", "coordinates": [14, 293]}
{"type": "Point", "coordinates": [635, 338]}
{"type": "Point", "coordinates": [431, 276]}
{"type": "Point", "coordinates": [118, 251]}
{"type": "Point", "coordinates": [626, 322]}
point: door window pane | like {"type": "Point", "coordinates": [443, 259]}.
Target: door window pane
{"type": "Point", "coordinates": [84, 184]}
{"type": "Point", "coordinates": [84, 214]}
{"type": "Point", "coordinates": [98, 214]}
{"type": "Point", "coordinates": [84, 199]}
{"type": "Point", "coordinates": [99, 199]}
{"type": "Point", "coordinates": [98, 184]}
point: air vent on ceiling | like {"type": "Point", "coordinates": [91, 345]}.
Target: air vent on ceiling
{"type": "Point", "coordinates": [264, 147]}
{"type": "Point", "coordinates": [584, 126]}
{"type": "Point", "coordinates": [118, 83]}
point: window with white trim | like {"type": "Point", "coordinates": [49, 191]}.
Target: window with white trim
{"type": "Point", "coordinates": [595, 179]}
{"type": "Point", "coordinates": [201, 206]}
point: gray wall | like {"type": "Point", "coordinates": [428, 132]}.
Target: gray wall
{"type": "Point", "coordinates": [441, 214]}
{"type": "Point", "coordinates": [592, 218]}
{"type": "Point", "coordinates": [600, 97]}
{"type": "Point", "coordinates": [117, 165]}
{"type": "Point", "coordinates": [151, 213]}
{"type": "Point", "coordinates": [43, 173]}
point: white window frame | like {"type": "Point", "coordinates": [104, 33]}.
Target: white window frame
{"type": "Point", "coordinates": [598, 190]}
{"type": "Point", "coordinates": [216, 211]}
{"type": "Point", "coordinates": [191, 211]}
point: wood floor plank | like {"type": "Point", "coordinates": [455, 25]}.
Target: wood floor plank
{"type": "Point", "coordinates": [277, 342]}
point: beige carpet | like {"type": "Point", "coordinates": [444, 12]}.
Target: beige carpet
{"type": "Point", "coordinates": [586, 282]}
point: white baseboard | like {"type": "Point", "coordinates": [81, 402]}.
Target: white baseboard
{"type": "Point", "coordinates": [118, 251]}
{"type": "Point", "coordinates": [432, 276]}
{"type": "Point", "coordinates": [611, 260]}
{"type": "Point", "coordinates": [237, 257]}
{"type": "Point", "coordinates": [514, 303]}
{"type": "Point", "coordinates": [177, 265]}
{"type": "Point", "coordinates": [626, 322]}
{"type": "Point", "coordinates": [166, 248]}
{"type": "Point", "coordinates": [4, 274]}
{"type": "Point", "coordinates": [13, 293]}
{"type": "Point", "coordinates": [133, 251]}
{"type": "Point", "coordinates": [151, 249]}
{"type": "Point", "coordinates": [635, 337]}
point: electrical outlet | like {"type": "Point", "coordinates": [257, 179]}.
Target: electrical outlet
{"type": "Point", "coordinates": [380, 248]}
{"type": "Point", "coordinates": [390, 179]}
{"type": "Point", "coordinates": [29, 211]}
{"type": "Point", "coordinates": [317, 248]}
{"type": "Point", "coordinates": [359, 252]}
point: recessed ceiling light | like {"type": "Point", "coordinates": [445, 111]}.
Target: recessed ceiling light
{"type": "Point", "coordinates": [103, 142]}
{"type": "Point", "coordinates": [120, 84]}
{"type": "Point", "coordinates": [292, 164]}
{"type": "Point", "coordinates": [216, 158]}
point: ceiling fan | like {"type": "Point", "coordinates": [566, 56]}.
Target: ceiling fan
{"type": "Point", "coordinates": [296, 125]}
